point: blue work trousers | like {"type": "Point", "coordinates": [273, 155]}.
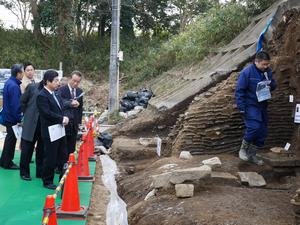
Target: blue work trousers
{"type": "Point", "coordinates": [256, 131]}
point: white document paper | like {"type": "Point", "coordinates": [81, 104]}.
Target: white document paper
{"type": "Point", "coordinates": [158, 145]}
{"type": "Point", "coordinates": [17, 131]}
{"type": "Point", "coordinates": [291, 98]}
{"type": "Point", "coordinates": [79, 96]}
{"type": "Point", "coordinates": [56, 132]}
{"type": "Point", "coordinates": [297, 114]}
{"type": "Point", "coordinates": [287, 146]}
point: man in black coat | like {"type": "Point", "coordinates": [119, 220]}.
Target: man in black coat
{"type": "Point", "coordinates": [50, 107]}
{"type": "Point", "coordinates": [72, 98]}
{"type": "Point", "coordinates": [31, 133]}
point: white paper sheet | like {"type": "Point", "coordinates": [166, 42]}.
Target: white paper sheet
{"type": "Point", "coordinates": [297, 114]}
{"type": "Point", "coordinates": [56, 132]}
{"type": "Point", "coordinates": [81, 95]}
{"type": "Point", "coordinates": [287, 146]}
{"type": "Point", "coordinates": [17, 131]}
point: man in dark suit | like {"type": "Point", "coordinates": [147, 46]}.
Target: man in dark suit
{"type": "Point", "coordinates": [31, 133]}
{"type": "Point", "coordinates": [73, 108]}
{"type": "Point", "coordinates": [50, 107]}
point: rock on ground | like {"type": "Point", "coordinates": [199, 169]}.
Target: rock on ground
{"type": "Point", "coordinates": [252, 178]}
{"type": "Point", "coordinates": [184, 190]}
{"type": "Point", "coordinates": [185, 155]}
{"type": "Point", "coordinates": [212, 162]}
{"type": "Point", "coordinates": [179, 176]}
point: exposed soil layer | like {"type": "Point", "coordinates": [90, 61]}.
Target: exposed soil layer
{"type": "Point", "coordinates": [212, 123]}
{"type": "Point", "coordinates": [212, 203]}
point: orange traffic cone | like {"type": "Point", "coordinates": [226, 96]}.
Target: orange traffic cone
{"type": "Point", "coordinates": [49, 206]}
{"type": "Point", "coordinates": [91, 145]}
{"type": "Point", "coordinates": [83, 170]}
{"type": "Point", "coordinates": [90, 123]}
{"type": "Point", "coordinates": [70, 207]}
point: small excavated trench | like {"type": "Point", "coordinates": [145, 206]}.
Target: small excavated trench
{"type": "Point", "coordinates": [211, 125]}
{"type": "Point", "coordinates": [215, 201]}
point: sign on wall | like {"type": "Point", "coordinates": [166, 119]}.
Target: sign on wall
{"type": "Point", "coordinates": [5, 74]}
{"type": "Point", "coordinates": [297, 114]}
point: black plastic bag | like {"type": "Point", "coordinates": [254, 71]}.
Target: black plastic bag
{"type": "Point", "coordinates": [106, 139]}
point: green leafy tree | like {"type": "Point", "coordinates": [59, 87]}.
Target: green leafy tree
{"type": "Point", "coordinates": [187, 11]}
{"type": "Point", "coordinates": [257, 6]}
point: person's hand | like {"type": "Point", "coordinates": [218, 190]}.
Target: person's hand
{"type": "Point", "coordinates": [65, 121]}
{"type": "Point", "coordinates": [75, 103]}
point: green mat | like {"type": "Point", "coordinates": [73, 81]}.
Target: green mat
{"type": "Point", "coordinates": [22, 202]}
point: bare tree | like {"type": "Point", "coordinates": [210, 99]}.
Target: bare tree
{"type": "Point", "coordinates": [20, 8]}
{"type": "Point", "coordinates": [36, 22]}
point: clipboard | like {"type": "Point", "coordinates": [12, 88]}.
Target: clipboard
{"type": "Point", "coordinates": [56, 132]}
{"type": "Point", "coordinates": [79, 96]}
{"type": "Point", "coordinates": [17, 131]}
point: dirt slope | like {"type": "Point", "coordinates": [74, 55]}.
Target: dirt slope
{"type": "Point", "coordinates": [212, 123]}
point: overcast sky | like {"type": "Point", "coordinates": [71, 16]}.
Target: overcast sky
{"type": "Point", "coordinates": [8, 19]}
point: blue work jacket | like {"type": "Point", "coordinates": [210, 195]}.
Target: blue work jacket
{"type": "Point", "coordinates": [245, 93]}
{"type": "Point", "coordinates": [11, 101]}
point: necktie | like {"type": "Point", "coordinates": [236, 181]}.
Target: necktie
{"type": "Point", "coordinates": [72, 93]}
{"type": "Point", "coordinates": [32, 81]}
{"type": "Point", "coordinates": [57, 102]}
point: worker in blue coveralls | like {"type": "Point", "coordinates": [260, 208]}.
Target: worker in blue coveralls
{"type": "Point", "coordinates": [253, 90]}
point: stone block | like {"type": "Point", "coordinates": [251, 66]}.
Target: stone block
{"type": "Point", "coordinates": [161, 180]}
{"type": "Point", "coordinates": [212, 162]}
{"type": "Point", "coordinates": [190, 174]}
{"type": "Point", "coordinates": [184, 190]}
{"type": "Point", "coordinates": [179, 176]}
{"type": "Point", "coordinates": [252, 178]}
{"type": "Point", "coordinates": [223, 178]}
{"type": "Point", "coordinates": [185, 155]}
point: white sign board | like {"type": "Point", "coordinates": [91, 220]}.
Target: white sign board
{"type": "Point", "coordinates": [5, 74]}
{"type": "Point", "coordinates": [297, 114]}
{"type": "Point", "coordinates": [287, 146]}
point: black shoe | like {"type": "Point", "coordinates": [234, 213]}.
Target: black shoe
{"type": "Point", "coordinates": [13, 167]}
{"type": "Point", "coordinates": [50, 186]}
{"type": "Point", "coordinates": [26, 177]}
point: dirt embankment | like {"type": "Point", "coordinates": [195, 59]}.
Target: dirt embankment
{"type": "Point", "coordinates": [96, 95]}
{"type": "Point", "coordinates": [285, 49]}
{"type": "Point", "coordinates": [212, 123]}
{"type": "Point", "coordinates": [221, 203]}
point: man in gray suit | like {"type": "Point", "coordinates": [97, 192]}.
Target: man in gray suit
{"type": "Point", "coordinates": [31, 133]}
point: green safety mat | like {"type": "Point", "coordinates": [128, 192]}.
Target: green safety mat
{"type": "Point", "coordinates": [22, 202]}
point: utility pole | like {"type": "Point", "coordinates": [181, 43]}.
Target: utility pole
{"type": "Point", "coordinates": [114, 62]}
